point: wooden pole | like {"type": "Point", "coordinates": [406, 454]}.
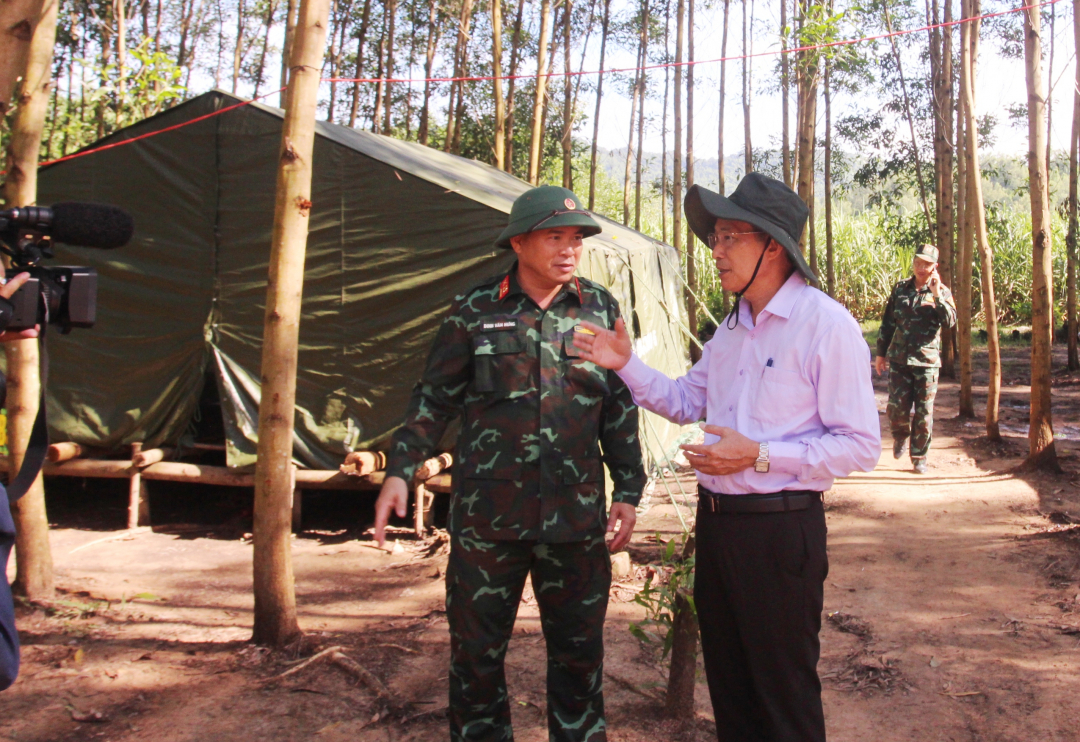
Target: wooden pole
{"type": "Point", "coordinates": [138, 504]}
{"type": "Point", "coordinates": [18, 19]}
{"type": "Point", "coordinates": [34, 575]}
{"type": "Point", "coordinates": [275, 598]}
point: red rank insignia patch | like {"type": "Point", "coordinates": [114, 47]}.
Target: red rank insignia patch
{"type": "Point", "coordinates": [504, 288]}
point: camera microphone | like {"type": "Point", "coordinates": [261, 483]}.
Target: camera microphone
{"type": "Point", "coordinates": [75, 223]}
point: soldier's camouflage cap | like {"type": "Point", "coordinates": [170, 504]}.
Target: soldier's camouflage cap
{"type": "Point", "coordinates": [546, 207]}
{"type": "Point", "coordinates": [929, 253]}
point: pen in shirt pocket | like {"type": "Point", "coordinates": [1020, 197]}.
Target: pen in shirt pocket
{"type": "Point", "coordinates": [768, 364]}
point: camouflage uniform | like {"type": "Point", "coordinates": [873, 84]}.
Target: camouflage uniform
{"type": "Point", "coordinates": [528, 493]}
{"type": "Point", "coordinates": [910, 337]}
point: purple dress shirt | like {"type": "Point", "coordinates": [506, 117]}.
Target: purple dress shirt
{"type": "Point", "coordinates": [799, 379]}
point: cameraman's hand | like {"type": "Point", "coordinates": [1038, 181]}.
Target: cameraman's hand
{"type": "Point", "coordinates": [7, 291]}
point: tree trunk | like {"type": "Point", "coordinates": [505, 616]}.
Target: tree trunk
{"type": "Point", "coordinates": [365, 17]}
{"type": "Point", "coordinates": [806, 73]}
{"type": "Point", "coordinates": [271, 8]}
{"type": "Point", "coordinates": [830, 264]}
{"type": "Point", "coordinates": [286, 51]}
{"type": "Point", "coordinates": [723, 85]}
{"type": "Point", "coordinates": [238, 54]}
{"type": "Point", "coordinates": [976, 209]}
{"type": "Point", "coordinates": [635, 96]}
{"type": "Point", "coordinates": [599, 99]}
{"type": "Point", "coordinates": [380, 86]}
{"type": "Point", "coordinates": [422, 133]}
{"type": "Point", "coordinates": [541, 86]}
{"type": "Point", "coordinates": [275, 597]}
{"type": "Point", "coordinates": [964, 265]}
{"type": "Point", "coordinates": [568, 100]}
{"type": "Point", "coordinates": [1041, 451]}
{"type": "Point", "coordinates": [785, 94]}
{"type": "Point", "coordinates": [911, 123]}
{"type": "Point", "coordinates": [391, 12]}
{"type": "Point", "coordinates": [944, 141]}
{"type": "Point", "coordinates": [18, 21]}
{"type": "Point", "coordinates": [1074, 356]}
{"type": "Point", "coordinates": [499, 143]}
{"type": "Point", "coordinates": [1050, 102]}
{"type": "Point", "coordinates": [676, 167]}
{"type": "Point", "coordinates": [679, 699]}
{"type": "Point", "coordinates": [515, 58]}
{"type": "Point", "coordinates": [664, 128]}
{"type": "Point", "coordinates": [34, 567]}
{"type": "Point", "coordinates": [691, 267]}
{"type": "Point", "coordinates": [748, 150]}
{"type": "Point", "coordinates": [121, 59]}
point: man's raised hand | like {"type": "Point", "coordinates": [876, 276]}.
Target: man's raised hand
{"type": "Point", "coordinates": [394, 495]}
{"type": "Point", "coordinates": [609, 349]}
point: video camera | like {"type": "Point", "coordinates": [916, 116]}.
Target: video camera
{"type": "Point", "coordinates": [63, 295]}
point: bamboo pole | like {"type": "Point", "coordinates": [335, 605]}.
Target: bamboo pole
{"type": "Point", "coordinates": [275, 598]}
{"type": "Point", "coordinates": [59, 452]}
{"type": "Point", "coordinates": [34, 574]}
{"type": "Point", "coordinates": [18, 19]}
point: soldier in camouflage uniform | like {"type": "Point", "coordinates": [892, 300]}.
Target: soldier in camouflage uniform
{"type": "Point", "coordinates": [909, 345]}
{"type": "Point", "coordinates": [528, 494]}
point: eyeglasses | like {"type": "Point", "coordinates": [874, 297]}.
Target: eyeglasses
{"type": "Point", "coordinates": [725, 239]}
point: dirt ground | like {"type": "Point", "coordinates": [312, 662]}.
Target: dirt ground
{"type": "Point", "coordinates": [952, 613]}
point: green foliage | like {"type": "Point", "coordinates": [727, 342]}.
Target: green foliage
{"type": "Point", "coordinates": [674, 577]}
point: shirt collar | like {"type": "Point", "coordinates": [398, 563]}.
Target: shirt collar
{"type": "Point", "coordinates": [510, 286]}
{"type": "Point", "coordinates": [780, 305]}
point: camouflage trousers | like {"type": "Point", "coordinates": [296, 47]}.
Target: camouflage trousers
{"type": "Point", "coordinates": [484, 581]}
{"type": "Point", "coordinates": [912, 386]}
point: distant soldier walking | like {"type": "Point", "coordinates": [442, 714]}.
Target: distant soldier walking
{"type": "Point", "coordinates": [909, 346]}
{"type": "Point", "coordinates": [528, 493]}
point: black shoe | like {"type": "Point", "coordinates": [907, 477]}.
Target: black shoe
{"type": "Point", "coordinates": [920, 465]}
{"type": "Point", "coordinates": [899, 446]}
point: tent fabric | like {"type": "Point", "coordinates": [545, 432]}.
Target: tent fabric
{"type": "Point", "coordinates": [397, 230]}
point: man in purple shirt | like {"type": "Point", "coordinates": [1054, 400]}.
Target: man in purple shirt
{"type": "Point", "coordinates": [785, 392]}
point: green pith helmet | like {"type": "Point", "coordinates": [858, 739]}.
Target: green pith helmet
{"type": "Point", "coordinates": [546, 207]}
{"type": "Point", "coordinates": [929, 253]}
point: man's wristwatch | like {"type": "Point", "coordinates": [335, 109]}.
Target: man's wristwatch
{"type": "Point", "coordinates": [761, 466]}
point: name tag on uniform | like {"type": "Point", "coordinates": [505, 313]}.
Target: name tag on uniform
{"type": "Point", "coordinates": [583, 330]}
{"type": "Point", "coordinates": [496, 326]}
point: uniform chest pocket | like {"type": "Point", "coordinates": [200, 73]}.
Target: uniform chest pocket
{"type": "Point", "coordinates": [499, 359]}
{"type": "Point", "coordinates": [581, 373]}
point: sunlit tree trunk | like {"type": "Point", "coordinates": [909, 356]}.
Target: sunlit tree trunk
{"type": "Point", "coordinates": [391, 14]}
{"type": "Point", "coordinates": [599, 99]}
{"type": "Point", "coordinates": [34, 565]}
{"type": "Point", "coordinates": [964, 255]}
{"type": "Point", "coordinates": [723, 85]}
{"type": "Point", "coordinates": [286, 51]}
{"type": "Point", "coordinates": [275, 621]}
{"type": "Point", "coordinates": [978, 227]}
{"type": "Point", "coordinates": [806, 77]}
{"type": "Point", "coordinates": [499, 143]}
{"type": "Point", "coordinates": [271, 9]}
{"type": "Point", "coordinates": [541, 86]}
{"type": "Point", "coordinates": [568, 100]}
{"type": "Point", "coordinates": [121, 58]}
{"type": "Point", "coordinates": [676, 167]}
{"type": "Point", "coordinates": [642, 95]}
{"type": "Point", "coordinates": [830, 263]}
{"type": "Point", "coordinates": [636, 97]}
{"type": "Point", "coordinates": [511, 105]}
{"type": "Point", "coordinates": [1074, 166]}
{"type": "Point", "coordinates": [1041, 451]}
{"type": "Point", "coordinates": [365, 17]}
{"type": "Point", "coordinates": [691, 266]}
{"type": "Point", "coordinates": [942, 102]}
{"type": "Point", "coordinates": [238, 51]}
{"type": "Point", "coordinates": [748, 150]}
{"type": "Point", "coordinates": [785, 94]}
{"type": "Point", "coordinates": [18, 20]}
{"type": "Point", "coordinates": [664, 190]}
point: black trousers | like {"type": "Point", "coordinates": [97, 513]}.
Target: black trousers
{"type": "Point", "coordinates": [759, 590]}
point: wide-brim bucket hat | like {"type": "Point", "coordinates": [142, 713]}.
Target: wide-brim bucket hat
{"type": "Point", "coordinates": [764, 202]}
{"type": "Point", "coordinates": [547, 207]}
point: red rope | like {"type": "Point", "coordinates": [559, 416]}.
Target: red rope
{"type": "Point", "coordinates": [570, 73]}
{"type": "Point", "coordinates": [772, 53]}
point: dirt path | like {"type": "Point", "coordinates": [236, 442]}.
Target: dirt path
{"type": "Point", "coordinates": [953, 596]}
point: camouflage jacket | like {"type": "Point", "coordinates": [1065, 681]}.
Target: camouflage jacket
{"type": "Point", "coordinates": [535, 416]}
{"type": "Point", "coordinates": [911, 328]}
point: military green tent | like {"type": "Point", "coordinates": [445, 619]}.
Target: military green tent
{"type": "Point", "coordinates": [397, 230]}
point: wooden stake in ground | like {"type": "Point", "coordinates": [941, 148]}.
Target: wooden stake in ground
{"type": "Point", "coordinates": [1041, 451]}
{"type": "Point", "coordinates": [18, 20]}
{"type": "Point", "coordinates": [978, 227]}
{"type": "Point", "coordinates": [34, 575]}
{"type": "Point", "coordinates": [275, 597]}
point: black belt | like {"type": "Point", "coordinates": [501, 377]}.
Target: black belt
{"type": "Point", "coordinates": [779, 502]}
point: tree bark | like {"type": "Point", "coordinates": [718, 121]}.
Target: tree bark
{"type": "Point", "coordinates": [679, 699]}
{"type": "Point", "coordinates": [830, 262]}
{"type": "Point", "coordinates": [676, 166]}
{"type": "Point", "coordinates": [286, 51]}
{"type": "Point", "coordinates": [541, 85]}
{"type": "Point", "coordinates": [34, 567]}
{"type": "Point", "coordinates": [1074, 166]}
{"type": "Point", "coordinates": [691, 267]}
{"type": "Point", "coordinates": [599, 98]}
{"type": "Point", "coordinates": [976, 209]}
{"type": "Point", "coordinates": [664, 128]}
{"type": "Point", "coordinates": [275, 597]}
{"type": "Point", "coordinates": [635, 97]}
{"type": "Point", "coordinates": [568, 100]}
{"type": "Point", "coordinates": [515, 58]}
{"type": "Point", "coordinates": [944, 142]}
{"type": "Point", "coordinates": [1041, 451]}
{"type": "Point", "coordinates": [785, 94]}
{"type": "Point", "coordinates": [238, 54]}
{"type": "Point", "coordinates": [18, 21]}
{"type": "Point", "coordinates": [271, 9]}
{"type": "Point", "coordinates": [499, 143]}
{"type": "Point", "coordinates": [806, 76]}
{"type": "Point", "coordinates": [723, 84]}
{"type": "Point", "coordinates": [391, 12]}
{"type": "Point", "coordinates": [361, 37]}
{"type": "Point", "coordinates": [964, 264]}
{"type": "Point", "coordinates": [748, 150]}
{"type": "Point", "coordinates": [422, 133]}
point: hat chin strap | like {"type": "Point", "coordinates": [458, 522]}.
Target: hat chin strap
{"type": "Point", "coordinates": [732, 320]}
